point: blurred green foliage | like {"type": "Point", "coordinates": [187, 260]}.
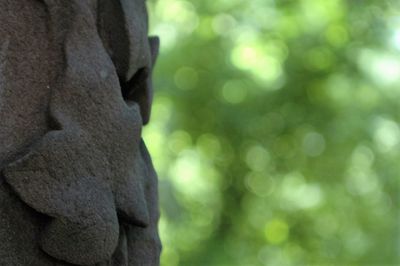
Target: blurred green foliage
{"type": "Point", "coordinates": [275, 131]}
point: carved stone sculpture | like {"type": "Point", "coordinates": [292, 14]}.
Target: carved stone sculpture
{"type": "Point", "coordinates": [77, 186]}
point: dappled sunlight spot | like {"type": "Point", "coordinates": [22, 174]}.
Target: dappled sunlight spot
{"type": "Point", "coordinates": [273, 255]}
{"type": "Point", "coordinates": [179, 141]}
{"type": "Point", "coordinates": [361, 179]}
{"type": "Point", "coordinates": [223, 24]}
{"type": "Point", "coordinates": [263, 14]}
{"type": "Point", "coordinates": [395, 39]}
{"type": "Point", "coordinates": [277, 47]}
{"type": "Point", "coordinates": [261, 184]}
{"type": "Point", "coordinates": [362, 157]}
{"type": "Point", "coordinates": [187, 176]}
{"type": "Point", "coordinates": [386, 134]}
{"type": "Point", "coordinates": [182, 13]}
{"type": "Point", "coordinates": [297, 194]}
{"type": "Point", "coordinates": [276, 231]}
{"type": "Point", "coordinates": [200, 222]}
{"type": "Point", "coordinates": [389, 68]}
{"type": "Point", "coordinates": [246, 57]}
{"type": "Point", "coordinates": [155, 140]}
{"type": "Point", "coordinates": [315, 14]}
{"type": "Point", "coordinates": [188, 236]}
{"type": "Point", "coordinates": [313, 144]}
{"type": "Point", "coordinates": [155, 135]}
{"type": "Point", "coordinates": [175, 18]}
{"type": "Point", "coordinates": [195, 225]}
{"type": "Point", "coordinates": [194, 178]}
{"type": "Point", "coordinates": [361, 182]}
{"type": "Point", "coordinates": [254, 58]}
{"type": "Point", "coordinates": [274, 87]}
{"type": "Point", "coordinates": [381, 67]}
{"type": "Point", "coordinates": [161, 111]}
{"type": "Point", "coordinates": [234, 91]}
{"type": "Point", "coordinates": [168, 33]}
{"type": "Point", "coordinates": [245, 34]}
{"type": "Point", "coordinates": [257, 158]}
{"type": "Point", "coordinates": [205, 28]}
{"type": "Point", "coordinates": [163, 227]}
{"type": "Point", "coordinates": [186, 78]}
{"type": "Point", "coordinates": [343, 91]}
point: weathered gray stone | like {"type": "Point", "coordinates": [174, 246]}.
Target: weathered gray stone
{"type": "Point", "coordinates": [77, 186]}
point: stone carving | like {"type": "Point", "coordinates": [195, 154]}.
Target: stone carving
{"type": "Point", "coordinates": [77, 186]}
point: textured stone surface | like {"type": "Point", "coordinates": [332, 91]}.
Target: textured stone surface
{"type": "Point", "coordinates": [77, 186]}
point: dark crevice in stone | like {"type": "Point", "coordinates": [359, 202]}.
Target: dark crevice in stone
{"type": "Point", "coordinates": [134, 90]}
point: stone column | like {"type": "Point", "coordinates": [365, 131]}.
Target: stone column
{"type": "Point", "coordinates": [77, 186]}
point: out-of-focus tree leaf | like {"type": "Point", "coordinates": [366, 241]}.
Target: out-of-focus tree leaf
{"type": "Point", "coordinates": [275, 131]}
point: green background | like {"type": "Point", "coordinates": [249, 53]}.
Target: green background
{"type": "Point", "coordinates": [275, 131]}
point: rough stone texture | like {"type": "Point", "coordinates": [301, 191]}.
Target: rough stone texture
{"type": "Point", "coordinates": [77, 186]}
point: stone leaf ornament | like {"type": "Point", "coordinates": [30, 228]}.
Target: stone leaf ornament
{"type": "Point", "coordinates": [77, 185]}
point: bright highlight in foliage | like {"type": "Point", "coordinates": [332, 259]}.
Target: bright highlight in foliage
{"type": "Point", "coordinates": [276, 131]}
{"type": "Point", "coordinates": [276, 231]}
